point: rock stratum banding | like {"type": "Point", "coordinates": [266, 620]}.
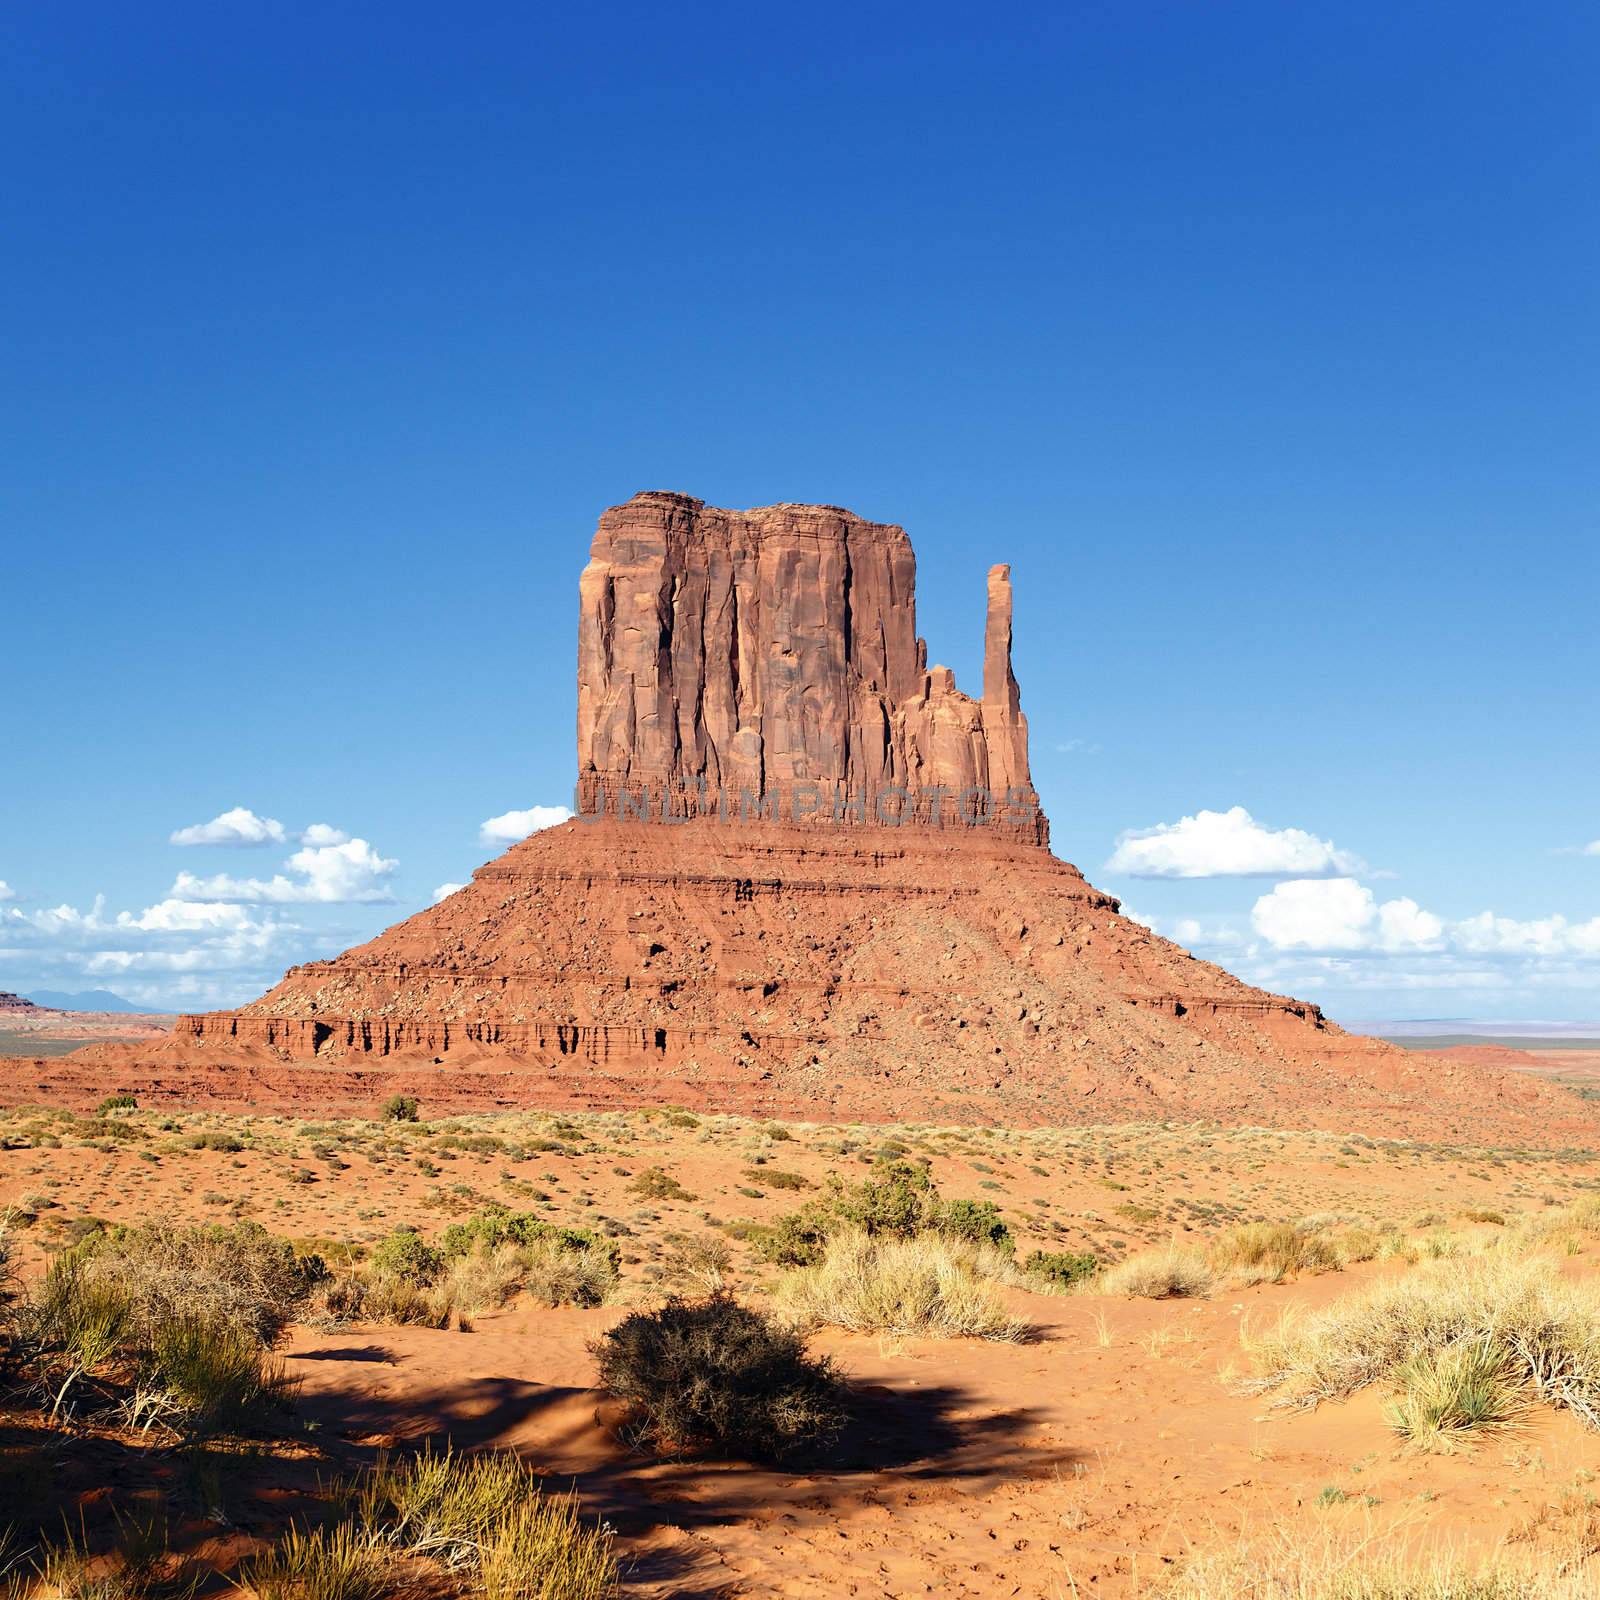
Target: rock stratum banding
{"type": "Point", "coordinates": [906, 948]}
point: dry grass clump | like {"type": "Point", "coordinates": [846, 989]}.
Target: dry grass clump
{"type": "Point", "coordinates": [479, 1265]}
{"type": "Point", "coordinates": [238, 1274]}
{"type": "Point", "coordinates": [1269, 1252]}
{"type": "Point", "coordinates": [1175, 1272]}
{"type": "Point", "coordinates": [484, 1517]}
{"type": "Point", "coordinates": [929, 1286]}
{"type": "Point", "coordinates": [1445, 1394]}
{"type": "Point", "coordinates": [338, 1563]}
{"type": "Point", "coordinates": [717, 1375]}
{"type": "Point", "coordinates": [89, 1336]}
{"type": "Point", "coordinates": [1333, 1565]}
{"type": "Point", "coordinates": [1466, 1344]}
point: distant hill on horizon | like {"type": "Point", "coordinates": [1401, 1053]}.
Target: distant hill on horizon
{"type": "Point", "coordinates": [86, 1000]}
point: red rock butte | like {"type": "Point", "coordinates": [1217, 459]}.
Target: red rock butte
{"type": "Point", "coordinates": [810, 877]}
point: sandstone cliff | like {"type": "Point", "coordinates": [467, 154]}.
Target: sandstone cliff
{"type": "Point", "coordinates": [735, 658]}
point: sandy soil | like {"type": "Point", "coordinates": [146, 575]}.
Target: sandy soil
{"type": "Point", "coordinates": [1087, 1461]}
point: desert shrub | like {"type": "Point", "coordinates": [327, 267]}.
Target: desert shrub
{"type": "Point", "coordinates": [405, 1255]}
{"type": "Point", "coordinates": [777, 1178]}
{"type": "Point", "coordinates": [656, 1183]}
{"type": "Point", "coordinates": [1543, 1332]}
{"type": "Point", "coordinates": [1355, 1244]}
{"type": "Point", "coordinates": [224, 1142]}
{"type": "Point", "coordinates": [976, 1221]}
{"type": "Point", "coordinates": [337, 1563]}
{"type": "Point", "coordinates": [200, 1371]}
{"type": "Point", "coordinates": [1269, 1252]}
{"type": "Point", "coordinates": [928, 1285]}
{"type": "Point", "coordinates": [704, 1263]}
{"type": "Point", "coordinates": [234, 1273]}
{"type": "Point", "coordinates": [380, 1298]}
{"type": "Point", "coordinates": [1171, 1273]}
{"type": "Point", "coordinates": [401, 1108]}
{"type": "Point", "coordinates": [497, 1225]}
{"type": "Point", "coordinates": [211, 1375]}
{"type": "Point", "coordinates": [898, 1201]}
{"type": "Point", "coordinates": [796, 1239]}
{"type": "Point", "coordinates": [1060, 1270]}
{"type": "Point", "coordinates": [117, 1102]}
{"type": "Point", "coordinates": [714, 1375]}
{"type": "Point", "coordinates": [480, 1264]}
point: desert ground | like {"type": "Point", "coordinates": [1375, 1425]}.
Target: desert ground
{"type": "Point", "coordinates": [1101, 1442]}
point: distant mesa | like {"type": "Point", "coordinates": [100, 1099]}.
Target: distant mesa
{"type": "Point", "coordinates": [810, 877]}
{"type": "Point", "coordinates": [18, 1005]}
{"type": "Point", "coordinates": [86, 1000]}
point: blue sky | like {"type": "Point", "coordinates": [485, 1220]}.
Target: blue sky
{"type": "Point", "coordinates": [1260, 339]}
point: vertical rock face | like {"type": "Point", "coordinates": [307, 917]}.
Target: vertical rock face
{"type": "Point", "coordinates": [729, 657]}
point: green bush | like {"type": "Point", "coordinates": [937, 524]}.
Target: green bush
{"type": "Point", "coordinates": [406, 1256]}
{"type": "Point", "coordinates": [497, 1226]}
{"type": "Point", "coordinates": [898, 1201]}
{"type": "Point", "coordinates": [1061, 1269]}
{"type": "Point", "coordinates": [401, 1108]}
{"type": "Point", "coordinates": [713, 1375]}
{"type": "Point", "coordinates": [977, 1221]}
{"type": "Point", "coordinates": [117, 1102]}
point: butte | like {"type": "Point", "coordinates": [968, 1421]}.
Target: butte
{"type": "Point", "coordinates": [810, 877]}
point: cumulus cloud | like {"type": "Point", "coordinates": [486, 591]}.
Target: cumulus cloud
{"type": "Point", "coordinates": [445, 890]}
{"type": "Point", "coordinates": [6, 891]}
{"type": "Point", "coordinates": [1592, 849]}
{"type": "Point", "coordinates": [511, 826]}
{"type": "Point", "coordinates": [319, 834]}
{"type": "Point", "coordinates": [1227, 844]}
{"type": "Point", "coordinates": [1341, 914]}
{"type": "Point", "coordinates": [239, 827]}
{"type": "Point", "coordinates": [344, 873]}
{"type": "Point", "coordinates": [1543, 936]}
{"type": "Point", "coordinates": [242, 953]}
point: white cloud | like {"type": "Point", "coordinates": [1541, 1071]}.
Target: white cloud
{"type": "Point", "coordinates": [1544, 936]}
{"type": "Point", "coordinates": [1592, 849]}
{"type": "Point", "coordinates": [6, 891]}
{"type": "Point", "coordinates": [329, 874]}
{"type": "Point", "coordinates": [445, 890]}
{"type": "Point", "coordinates": [319, 833]}
{"type": "Point", "coordinates": [239, 827]}
{"type": "Point", "coordinates": [185, 916]}
{"type": "Point", "coordinates": [511, 826]}
{"type": "Point", "coordinates": [1227, 844]}
{"type": "Point", "coordinates": [1340, 914]}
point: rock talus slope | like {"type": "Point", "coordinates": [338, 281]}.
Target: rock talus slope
{"type": "Point", "coordinates": [809, 877]}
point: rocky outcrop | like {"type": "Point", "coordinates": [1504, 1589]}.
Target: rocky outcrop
{"type": "Point", "coordinates": [741, 660]}
{"type": "Point", "coordinates": [14, 1005]}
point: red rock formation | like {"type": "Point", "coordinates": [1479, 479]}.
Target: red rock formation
{"type": "Point", "coordinates": [930, 968]}
{"type": "Point", "coordinates": [738, 659]}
